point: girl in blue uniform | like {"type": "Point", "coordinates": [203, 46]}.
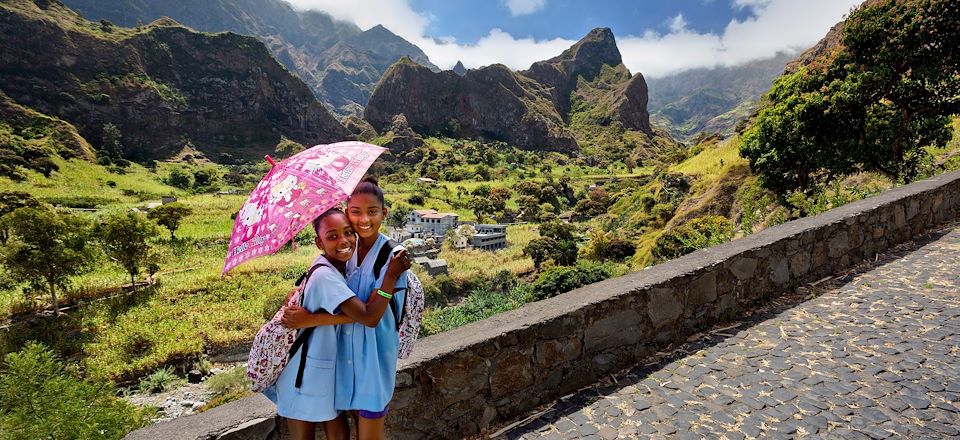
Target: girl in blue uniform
{"type": "Point", "coordinates": [327, 290]}
{"type": "Point", "coordinates": [367, 356]}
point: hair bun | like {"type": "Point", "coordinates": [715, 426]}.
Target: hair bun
{"type": "Point", "coordinates": [370, 179]}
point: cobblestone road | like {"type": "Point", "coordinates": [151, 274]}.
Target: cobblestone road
{"type": "Point", "coordinates": [875, 356]}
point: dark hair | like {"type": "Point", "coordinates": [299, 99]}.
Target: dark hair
{"type": "Point", "coordinates": [327, 213]}
{"type": "Point", "coordinates": [369, 186]}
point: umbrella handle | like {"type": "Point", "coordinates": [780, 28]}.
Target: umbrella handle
{"type": "Point", "coordinates": [269, 159]}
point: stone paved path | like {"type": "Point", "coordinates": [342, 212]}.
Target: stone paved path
{"type": "Point", "coordinates": [876, 356]}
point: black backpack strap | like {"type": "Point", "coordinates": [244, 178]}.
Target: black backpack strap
{"type": "Point", "coordinates": [304, 335]}
{"type": "Point", "coordinates": [301, 341]}
{"type": "Point", "coordinates": [383, 256]}
{"type": "Point", "coordinates": [385, 251]}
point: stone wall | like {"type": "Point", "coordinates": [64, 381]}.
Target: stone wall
{"type": "Point", "coordinates": [465, 381]}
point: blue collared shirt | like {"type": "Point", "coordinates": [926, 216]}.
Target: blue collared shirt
{"type": "Point", "coordinates": [314, 400]}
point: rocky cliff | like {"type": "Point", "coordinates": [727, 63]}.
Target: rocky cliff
{"type": "Point", "coordinates": [340, 62]}
{"type": "Point", "coordinates": [491, 102]}
{"type": "Point", "coordinates": [536, 108]}
{"type": "Point", "coordinates": [162, 85]}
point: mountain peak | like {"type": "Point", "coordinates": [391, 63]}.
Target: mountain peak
{"type": "Point", "coordinates": [598, 47]}
{"type": "Point", "coordinates": [459, 69]}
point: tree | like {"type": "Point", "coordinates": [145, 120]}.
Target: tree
{"type": "Point", "coordinates": [498, 198]}
{"type": "Point", "coordinates": [398, 215]}
{"type": "Point", "coordinates": [286, 148]}
{"type": "Point", "coordinates": [124, 236]}
{"type": "Point", "coordinates": [558, 231]}
{"type": "Point", "coordinates": [11, 201]}
{"type": "Point", "coordinates": [529, 208]}
{"type": "Point", "coordinates": [481, 207]}
{"type": "Point", "coordinates": [875, 104]}
{"type": "Point", "coordinates": [111, 141]}
{"type": "Point", "coordinates": [696, 234]}
{"type": "Point", "coordinates": [596, 203]}
{"type": "Point", "coordinates": [204, 177]}
{"type": "Point", "coordinates": [540, 250]}
{"type": "Point", "coordinates": [47, 248]}
{"type": "Point", "coordinates": [43, 398]}
{"type": "Point", "coordinates": [169, 216]}
{"type": "Point", "coordinates": [180, 179]}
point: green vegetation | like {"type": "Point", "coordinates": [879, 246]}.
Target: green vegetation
{"type": "Point", "coordinates": [125, 235]}
{"type": "Point", "coordinates": [696, 234]}
{"type": "Point", "coordinates": [161, 380]}
{"type": "Point", "coordinates": [46, 248]}
{"type": "Point", "coordinates": [875, 105]}
{"type": "Point", "coordinates": [228, 386]}
{"type": "Point", "coordinates": [559, 279]}
{"type": "Point", "coordinates": [169, 216]}
{"type": "Point", "coordinates": [40, 397]}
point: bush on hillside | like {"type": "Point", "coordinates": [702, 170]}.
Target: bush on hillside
{"type": "Point", "coordinates": [699, 233]}
{"type": "Point", "coordinates": [40, 397]}
{"type": "Point", "coordinates": [560, 279]}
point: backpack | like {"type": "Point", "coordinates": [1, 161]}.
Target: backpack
{"type": "Point", "coordinates": [274, 344]}
{"type": "Point", "coordinates": [406, 315]}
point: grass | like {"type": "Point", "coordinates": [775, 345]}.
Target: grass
{"type": "Point", "coordinates": [82, 179]}
{"type": "Point", "coordinates": [713, 159]}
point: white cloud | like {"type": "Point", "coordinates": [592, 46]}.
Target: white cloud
{"type": "Point", "coordinates": [677, 24]}
{"type": "Point", "coordinates": [775, 25]}
{"type": "Point", "coordinates": [524, 7]}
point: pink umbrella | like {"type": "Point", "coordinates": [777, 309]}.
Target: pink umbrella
{"type": "Point", "coordinates": [293, 193]}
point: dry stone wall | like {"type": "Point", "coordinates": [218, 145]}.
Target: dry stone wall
{"type": "Point", "coordinates": [466, 381]}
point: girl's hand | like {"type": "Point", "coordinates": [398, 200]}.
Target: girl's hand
{"type": "Point", "coordinates": [295, 317]}
{"type": "Point", "coordinates": [398, 264]}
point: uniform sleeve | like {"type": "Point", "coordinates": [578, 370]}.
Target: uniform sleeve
{"type": "Point", "coordinates": [328, 290]}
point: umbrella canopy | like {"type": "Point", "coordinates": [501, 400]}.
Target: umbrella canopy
{"type": "Point", "coordinates": [293, 193]}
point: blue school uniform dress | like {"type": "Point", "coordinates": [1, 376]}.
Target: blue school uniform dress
{"type": "Point", "coordinates": [314, 401]}
{"type": "Point", "coordinates": [367, 357]}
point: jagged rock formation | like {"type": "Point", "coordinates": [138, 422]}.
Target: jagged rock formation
{"type": "Point", "coordinates": [340, 62]}
{"type": "Point", "coordinates": [489, 102]}
{"type": "Point", "coordinates": [532, 109]}
{"type": "Point", "coordinates": [162, 85]}
{"type": "Point", "coordinates": [583, 59]}
{"type": "Point", "coordinates": [459, 69]}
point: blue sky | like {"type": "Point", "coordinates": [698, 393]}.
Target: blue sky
{"type": "Point", "coordinates": [655, 37]}
{"type": "Point", "coordinates": [468, 21]}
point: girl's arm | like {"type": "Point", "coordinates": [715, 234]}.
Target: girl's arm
{"type": "Point", "coordinates": [369, 314]}
{"type": "Point", "coordinates": [298, 317]}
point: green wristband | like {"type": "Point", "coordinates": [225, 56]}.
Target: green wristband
{"type": "Point", "coordinates": [384, 294]}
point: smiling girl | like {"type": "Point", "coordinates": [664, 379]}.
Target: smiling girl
{"type": "Point", "coordinates": [367, 357]}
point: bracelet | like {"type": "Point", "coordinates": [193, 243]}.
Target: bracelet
{"type": "Point", "coordinates": [384, 294]}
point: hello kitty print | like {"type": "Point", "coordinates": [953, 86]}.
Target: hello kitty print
{"type": "Point", "coordinates": [293, 193]}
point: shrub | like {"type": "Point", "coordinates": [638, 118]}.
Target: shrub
{"type": "Point", "coordinates": [40, 397]}
{"type": "Point", "coordinates": [697, 234]}
{"type": "Point", "coordinates": [180, 179]}
{"type": "Point", "coordinates": [161, 380]}
{"type": "Point", "coordinates": [559, 279]}
{"type": "Point", "coordinates": [230, 381]}
{"type": "Point", "coordinates": [619, 249]}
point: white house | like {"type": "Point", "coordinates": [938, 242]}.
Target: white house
{"type": "Point", "coordinates": [431, 222]}
{"type": "Point", "coordinates": [489, 237]}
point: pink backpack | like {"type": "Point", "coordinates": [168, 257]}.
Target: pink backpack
{"type": "Point", "coordinates": [274, 344]}
{"type": "Point", "coordinates": [407, 315]}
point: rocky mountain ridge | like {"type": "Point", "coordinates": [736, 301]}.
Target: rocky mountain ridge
{"type": "Point", "coordinates": [162, 85]}
{"type": "Point", "coordinates": [340, 62]}
{"type": "Point", "coordinates": [533, 109]}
